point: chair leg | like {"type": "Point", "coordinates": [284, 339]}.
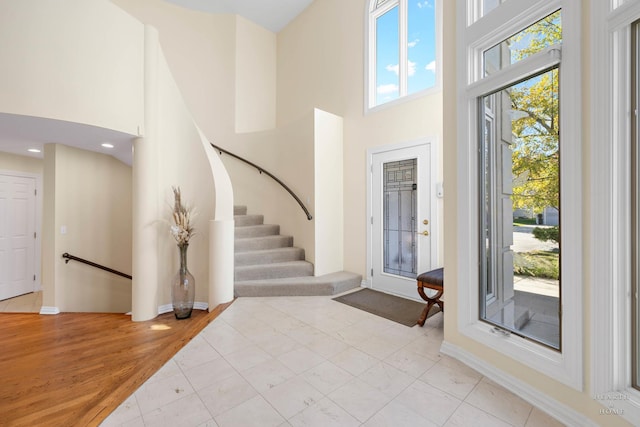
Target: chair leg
{"type": "Point", "coordinates": [425, 313]}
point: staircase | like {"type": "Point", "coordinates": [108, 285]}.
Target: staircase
{"type": "Point", "coordinates": [267, 263]}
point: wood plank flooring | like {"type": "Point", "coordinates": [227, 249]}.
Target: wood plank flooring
{"type": "Point", "coordinates": [74, 369]}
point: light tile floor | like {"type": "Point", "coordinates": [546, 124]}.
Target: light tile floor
{"type": "Point", "coordinates": [28, 303]}
{"type": "Point", "coordinates": [311, 361]}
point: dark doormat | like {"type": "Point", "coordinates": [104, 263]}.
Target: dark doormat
{"type": "Point", "coordinates": [390, 307]}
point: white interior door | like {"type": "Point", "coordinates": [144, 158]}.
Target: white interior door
{"type": "Point", "coordinates": [17, 235]}
{"type": "Point", "coordinates": [401, 222]}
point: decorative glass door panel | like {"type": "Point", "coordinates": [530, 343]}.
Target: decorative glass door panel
{"type": "Point", "coordinates": [399, 246]}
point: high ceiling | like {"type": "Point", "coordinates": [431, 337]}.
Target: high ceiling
{"type": "Point", "coordinates": [273, 15]}
{"type": "Point", "coordinates": [19, 133]}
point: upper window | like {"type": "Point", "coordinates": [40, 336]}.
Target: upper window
{"type": "Point", "coordinates": [402, 49]}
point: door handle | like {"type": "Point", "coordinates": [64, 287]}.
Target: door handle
{"type": "Point", "coordinates": [424, 233]}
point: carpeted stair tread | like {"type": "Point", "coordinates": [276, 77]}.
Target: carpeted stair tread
{"type": "Point", "coordinates": [268, 256]}
{"type": "Point", "coordinates": [257, 231]}
{"type": "Point", "coordinates": [245, 220]}
{"type": "Point", "coordinates": [276, 270]}
{"type": "Point", "coordinates": [262, 243]}
{"type": "Point", "coordinates": [329, 284]}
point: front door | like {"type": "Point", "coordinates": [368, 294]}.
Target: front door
{"type": "Point", "coordinates": [401, 219]}
{"type": "Point", "coordinates": [17, 235]}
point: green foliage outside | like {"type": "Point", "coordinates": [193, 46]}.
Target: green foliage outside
{"type": "Point", "coordinates": [547, 233]}
{"type": "Point", "coordinates": [535, 138]}
{"type": "Point", "coordinates": [542, 264]}
{"type": "Point", "coordinates": [535, 123]}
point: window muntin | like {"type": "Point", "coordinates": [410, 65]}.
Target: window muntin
{"type": "Point", "coordinates": [403, 53]}
{"type": "Point", "coordinates": [544, 33]}
{"type": "Point", "coordinates": [519, 162]}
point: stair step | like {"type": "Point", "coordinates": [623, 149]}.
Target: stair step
{"type": "Point", "coordinates": [261, 230]}
{"type": "Point", "coordinates": [277, 270]}
{"type": "Point", "coordinates": [268, 256]}
{"type": "Point", "coordinates": [244, 220]}
{"type": "Point", "coordinates": [262, 243]}
{"type": "Point", "coordinates": [239, 210]}
{"type": "Point", "coordinates": [330, 284]}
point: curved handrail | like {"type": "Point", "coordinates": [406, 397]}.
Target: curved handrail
{"type": "Point", "coordinates": [67, 257]}
{"type": "Point", "coordinates": [261, 170]}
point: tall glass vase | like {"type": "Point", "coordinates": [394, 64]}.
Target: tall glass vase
{"type": "Point", "coordinates": [183, 288]}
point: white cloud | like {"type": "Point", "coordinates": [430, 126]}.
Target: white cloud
{"type": "Point", "coordinates": [394, 68]}
{"type": "Point", "coordinates": [425, 3]}
{"type": "Point", "coordinates": [387, 89]}
{"type": "Point", "coordinates": [431, 66]}
{"type": "Point", "coordinates": [413, 43]}
{"type": "Point", "coordinates": [411, 68]}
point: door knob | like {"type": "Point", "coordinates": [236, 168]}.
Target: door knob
{"type": "Point", "coordinates": [424, 233]}
{"type": "Point", "coordinates": [425, 222]}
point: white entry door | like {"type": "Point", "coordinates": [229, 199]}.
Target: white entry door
{"type": "Point", "coordinates": [401, 220]}
{"type": "Point", "coordinates": [17, 235]}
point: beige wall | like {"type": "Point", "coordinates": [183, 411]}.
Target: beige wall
{"type": "Point", "coordinates": [220, 62]}
{"type": "Point", "coordinates": [329, 195]}
{"type": "Point", "coordinates": [182, 163]}
{"type": "Point", "coordinates": [200, 51]}
{"type": "Point", "coordinates": [90, 194]}
{"type": "Point", "coordinates": [255, 77]}
{"type": "Point", "coordinates": [14, 162]}
{"type": "Point", "coordinates": [321, 65]}
{"type": "Point", "coordinates": [73, 60]}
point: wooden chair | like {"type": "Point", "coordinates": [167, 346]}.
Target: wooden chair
{"type": "Point", "coordinates": [433, 279]}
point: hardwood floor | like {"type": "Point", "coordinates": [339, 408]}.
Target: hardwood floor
{"type": "Point", "coordinates": [74, 369]}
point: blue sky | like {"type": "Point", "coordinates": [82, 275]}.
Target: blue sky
{"type": "Point", "coordinates": [420, 50]}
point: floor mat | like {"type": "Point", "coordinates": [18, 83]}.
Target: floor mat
{"type": "Point", "coordinates": [401, 310]}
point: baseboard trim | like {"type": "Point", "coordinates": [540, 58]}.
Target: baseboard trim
{"type": "Point", "coordinates": [197, 305]}
{"type": "Point", "coordinates": [49, 310]}
{"type": "Point", "coordinates": [557, 410]}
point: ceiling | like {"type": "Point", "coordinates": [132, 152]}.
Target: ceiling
{"type": "Point", "coordinates": [18, 133]}
{"type": "Point", "coordinates": [273, 15]}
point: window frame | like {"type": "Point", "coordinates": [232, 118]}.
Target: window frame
{"type": "Point", "coordinates": [370, 54]}
{"type": "Point", "coordinates": [473, 39]}
{"type": "Point", "coordinates": [610, 145]}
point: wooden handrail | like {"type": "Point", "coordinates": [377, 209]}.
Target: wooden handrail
{"type": "Point", "coordinates": [67, 257]}
{"type": "Point", "coordinates": [262, 170]}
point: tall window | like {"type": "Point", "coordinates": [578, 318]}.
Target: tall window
{"type": "Point", "coordinates": [402, 49]}
{"type": "Point", "coordinates": [520, 193]}
{"type": "Point", "coordinates": [520, 182]}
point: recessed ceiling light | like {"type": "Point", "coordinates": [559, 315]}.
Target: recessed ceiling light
{"type": "Point", "coordinates": [107, 145]}
{"type": "Point", "coordinates": [33, 150]}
